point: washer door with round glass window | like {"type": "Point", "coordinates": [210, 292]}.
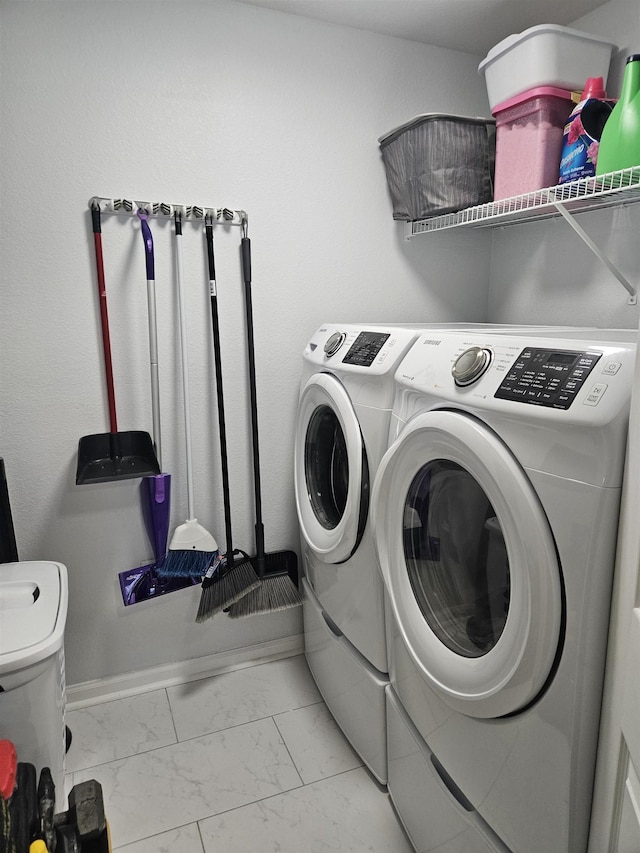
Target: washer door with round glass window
{"type": "Point", "coordinates": [469, 564]}
{"type": "Point", "coordinates": [331, 471]}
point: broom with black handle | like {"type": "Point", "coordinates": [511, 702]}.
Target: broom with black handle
{"type": "Point", "coordinates": [226, 581]}
{"type": "Point", "coordinates": [278, 571]}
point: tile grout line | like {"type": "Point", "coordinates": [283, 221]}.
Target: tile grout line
{"type": "Point", "coordinates": [123, 848]}
{"type": "Point", "coordinates": [325, 780]}
{"type": "Point", "coordinates": [196, 737]}
{"type": "Point", "coordinates": [254, 720]}
{"type": "Point", "coordinates": [288, 790]}
{"type": "Point", "coordinates": [192, 737]}
{"type": "Point", "coordinates": [360, 767]}
{"type": "Point", "coordinates": [173, 720]}
{"type": "Point", "coordinates": [303, 784]}
{"type": "Point", "coordinates": [200, 836]}
{"type": "Point", "coordinates": [286, 746]}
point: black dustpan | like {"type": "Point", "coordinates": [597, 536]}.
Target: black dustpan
{"type": "Point", "coordinates": [114, 455]}
{"type": "Point", "coordinates": [109, 456]}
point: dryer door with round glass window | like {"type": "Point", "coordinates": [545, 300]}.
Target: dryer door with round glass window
{"type": "Point", "coordinates": [331, 471]}
{"type": "Point", "coordinates": [469, 564]}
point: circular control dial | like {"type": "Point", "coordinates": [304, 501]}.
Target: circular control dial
{"type": "Point", "coordinates": [333, 343]}
{"type": "Point", "coordinates": [470, 365]}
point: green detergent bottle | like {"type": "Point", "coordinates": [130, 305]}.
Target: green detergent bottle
{"type": "Point", "coordinates": [620, 142]}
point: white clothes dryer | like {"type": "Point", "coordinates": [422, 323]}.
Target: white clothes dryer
{"type": "Point", "coordinates": [343, 422]}
{"type": "Point", "coordinates": [495, 517]}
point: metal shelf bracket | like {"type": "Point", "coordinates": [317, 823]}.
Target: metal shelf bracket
{"type": "Point", "coordinates": [604, 259]}
{"type": "Point", "coordinates": [592, 193]}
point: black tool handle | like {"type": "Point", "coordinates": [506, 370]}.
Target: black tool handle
{"type": "Point", "coordinates": [24, 807]}
{"type": "Point", "coordinates": [215, 327]}
{"type": "Point", "coordinates": [245, 244]}
{"type": "Point", "coordinates": [8, 545]}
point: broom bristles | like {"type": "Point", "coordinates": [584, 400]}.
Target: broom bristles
{"type": "Point", "coordinates": [221, 592]}
{"type": "Point", "coordinates": [275, 593]}
{"type": "Point", "coordinates": [181, 564]}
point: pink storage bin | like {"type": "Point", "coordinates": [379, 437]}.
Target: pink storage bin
{"type": "Point", "coordinates": [529, 130]}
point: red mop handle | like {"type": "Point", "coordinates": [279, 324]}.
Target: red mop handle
{"type": "Point", "coordinates": [104, 319]}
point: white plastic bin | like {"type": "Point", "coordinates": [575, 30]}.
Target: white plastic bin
{"type": "Point", "coordinates": [33, 613]}
{"type": "Point", "coordinates": [546, 55]}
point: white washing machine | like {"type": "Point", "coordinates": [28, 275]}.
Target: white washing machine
{"type": "Point", "coordinates": [495, 518]}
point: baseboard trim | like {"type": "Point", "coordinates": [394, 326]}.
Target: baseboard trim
{"type": "Point", "coordinates": [155, 678]}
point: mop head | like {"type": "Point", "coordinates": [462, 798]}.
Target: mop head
{"type": "Point", "coordinates": [275, 592]}
{"type": "Point", "coordinates": [223, 586]}
{"type": "Point", "coordinates": [191, 552]}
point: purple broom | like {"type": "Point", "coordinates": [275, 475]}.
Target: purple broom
{"type": "Point", "coordinates": [156, 490]}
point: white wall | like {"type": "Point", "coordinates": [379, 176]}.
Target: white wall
{"type": "Point", "coordinates": [620, 21]}
{"type": "Point", "coordinates": [542, 273]}
{"type": "Point", "coordinates": [217, 104]}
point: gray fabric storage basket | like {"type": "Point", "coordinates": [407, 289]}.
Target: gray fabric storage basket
{"type": "Point", "coordinates": [438, 163]}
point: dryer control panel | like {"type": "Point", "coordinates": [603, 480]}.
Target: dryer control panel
{"type": "Point", "coordinates": [547, 377]}
{"type": "Point", "coordinates": [350, 350]}
{"type": "Point", "coordinates": [364, 350]}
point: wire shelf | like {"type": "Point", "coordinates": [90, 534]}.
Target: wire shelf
{"type": "Point", "coordinates": [609, 190]}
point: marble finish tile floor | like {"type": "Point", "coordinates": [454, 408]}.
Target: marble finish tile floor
{"type": "Point", "coordinates": [249, 761]}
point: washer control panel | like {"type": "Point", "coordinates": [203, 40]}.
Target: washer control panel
{"type": "Point", "coordinates": [547, 377]}
{"type": "Point", "coordinates": [578, 375]}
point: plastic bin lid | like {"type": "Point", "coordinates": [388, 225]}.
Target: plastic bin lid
{"type": "Point", "coordinates": [511, 41]}
{"type": "Point", "coordinates": [536, 92]}
{"type": "Point", "coordinates": [33, 612]}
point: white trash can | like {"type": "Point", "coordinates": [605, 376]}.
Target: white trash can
{"type": "Point", "coordinates": [33, 613]}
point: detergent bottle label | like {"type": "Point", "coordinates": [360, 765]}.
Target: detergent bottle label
{"type": "Point", "coordinates": [581, 139]}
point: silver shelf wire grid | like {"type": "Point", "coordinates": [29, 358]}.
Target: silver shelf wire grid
{"type": "Point", "coordinates": [611, 189]}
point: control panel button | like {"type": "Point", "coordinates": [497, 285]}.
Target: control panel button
{"type": "Point", "coordinates": [470, 365]}
{"type": "Point", "coordinates": [564, 400]}
{"type": "Point", "coordinates": [595, 395]}
{"type": "Point", "coordinates": [611, 368]}
{"type": "Point", "coordinates": [333, 343]}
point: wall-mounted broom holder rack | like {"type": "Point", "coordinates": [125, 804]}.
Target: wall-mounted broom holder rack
{"type": "Point", "coordinates": [130, 207]}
